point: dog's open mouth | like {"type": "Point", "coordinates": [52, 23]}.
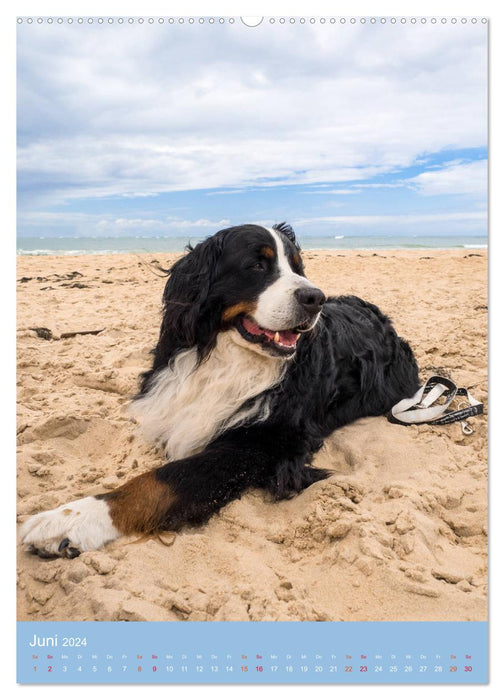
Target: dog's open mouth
{"type": "Point", "coordinates": [279, 342]}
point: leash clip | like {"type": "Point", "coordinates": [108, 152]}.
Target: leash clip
{"type": "Point", "coordinates": [466, 428]}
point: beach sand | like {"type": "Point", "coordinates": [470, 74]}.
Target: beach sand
{"type": "Point", "coordinates": [399, 531]}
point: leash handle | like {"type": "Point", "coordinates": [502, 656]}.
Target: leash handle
{"type": "Point", "coordinates": [419, 409]}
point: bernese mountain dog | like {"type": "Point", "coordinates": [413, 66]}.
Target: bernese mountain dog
{"type": "Point", "coordinates": [253, 369]}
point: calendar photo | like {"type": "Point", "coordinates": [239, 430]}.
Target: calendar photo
{"type": "Point", "coordinates": [252, 349]}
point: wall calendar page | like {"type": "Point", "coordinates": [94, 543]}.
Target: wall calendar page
{"type": "Point", "coordinates": [251, 342]}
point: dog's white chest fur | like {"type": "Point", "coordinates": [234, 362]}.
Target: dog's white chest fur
{"type": "Point", "coordinates": [187, 406]}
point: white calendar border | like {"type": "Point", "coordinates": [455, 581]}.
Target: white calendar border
{"type": "Point", "coordinates": [483, 8]}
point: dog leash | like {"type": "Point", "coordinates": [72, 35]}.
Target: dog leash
{"type": "Point", "coordinates": [420, 408]}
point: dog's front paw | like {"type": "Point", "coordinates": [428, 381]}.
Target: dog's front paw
{"type": "Point", "coordinates": [70, 529]}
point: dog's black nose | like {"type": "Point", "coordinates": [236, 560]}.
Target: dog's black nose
{"type": "Point", "coordinates": [310, 298]}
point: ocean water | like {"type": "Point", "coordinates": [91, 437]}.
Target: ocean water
{"type": "Point", "coordinates": [139, 244]}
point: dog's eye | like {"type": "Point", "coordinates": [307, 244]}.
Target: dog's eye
{"type": "Point", "coordinates": [260, 266]}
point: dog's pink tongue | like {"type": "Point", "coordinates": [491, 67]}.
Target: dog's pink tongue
{"type": "Point", "coordinates": [288, 337]}
{"type": "Point", "coordinates": [253, 328]}
{"type": "Point", "coordinates": [284, 337]}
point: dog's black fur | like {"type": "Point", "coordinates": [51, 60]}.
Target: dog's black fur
{"type": "Point", "coordinates": [351, 365]}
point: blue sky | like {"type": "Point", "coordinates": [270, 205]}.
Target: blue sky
{"type": "Point", "coordinates": [180, 130]}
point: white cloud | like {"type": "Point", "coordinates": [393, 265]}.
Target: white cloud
{"type": "Point", "coordinates": [93, 225]}
{"type": "Point", "coordinates": [199, 223]}
{"type": "Point", "coordinates": [326, 192]}
{"type": "Point", "coordinates": [113, 227]}
{"type": "Point", "coordinates": [396, 218]}
{"type": "Point", "coordinates": [382, 185]}
{"type": "Point", "coordinates": [128, 224]}
{"type": "Point", "coordinates": [111, 110]}
{"type": "Point", "coordinates": [419, 224]}
{"type": "Point", "coordinates": [456, 178]}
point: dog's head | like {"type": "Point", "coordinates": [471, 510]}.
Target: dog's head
{"type": "Point", "coordinates": [248, 279]}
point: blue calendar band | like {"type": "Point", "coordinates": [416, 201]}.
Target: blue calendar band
{"type": "Point", "coordinates": [252, 652]}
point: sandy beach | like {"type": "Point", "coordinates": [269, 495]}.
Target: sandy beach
{"type": "Point", "coordinates": [397, 533]}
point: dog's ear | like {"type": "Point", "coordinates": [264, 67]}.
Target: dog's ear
{"type": "Point", "coordinates": [188, 317]}
{"type": "Point", "coordinates": [191, 276]}
{"type": "Point", "coordinates": [288, 231]}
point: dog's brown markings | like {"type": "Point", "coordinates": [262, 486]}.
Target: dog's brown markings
{"type": "Point", "coordinates": [267, 251]}
{"type": "Point", "coordinates": [297, 259]}
{"type": "Point", "coordinates": [243, 307]}
{"type": "Point", "coordinates": [140, 505]}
